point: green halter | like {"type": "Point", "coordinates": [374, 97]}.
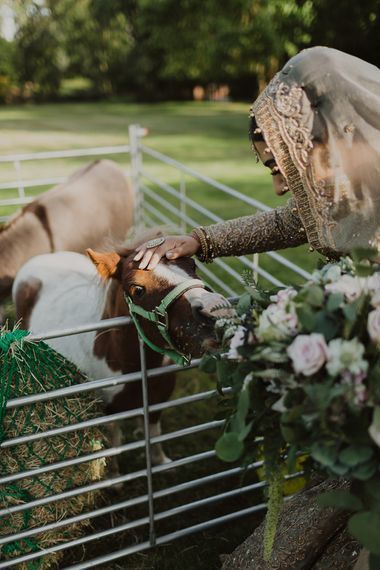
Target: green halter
{"type": "Point", "coordinates": [159, 317]}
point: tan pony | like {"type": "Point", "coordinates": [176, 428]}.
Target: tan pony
{"type": "Point", "coordinates": [93, 206]}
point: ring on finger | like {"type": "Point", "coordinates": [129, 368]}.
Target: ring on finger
{"type": "Point", "coordinates": [154, 242]}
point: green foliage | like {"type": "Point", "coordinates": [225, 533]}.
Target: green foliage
{"type": "Point", "coordinates": [163, 49]}
{"type": "Point", "coordinates": [304, 373]}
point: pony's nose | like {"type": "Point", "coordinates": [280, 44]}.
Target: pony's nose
{"type": "Point", "coordinates": [197, 308]}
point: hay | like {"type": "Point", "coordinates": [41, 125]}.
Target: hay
{"type": "Point", "coordinates": [29, 368]}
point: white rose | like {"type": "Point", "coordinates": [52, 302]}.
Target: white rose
{"type": "Point", "coordinates": [308, 353]}
{"type": "Point", "coordinates": [373, 283]}
{"type": "Point", "coordinates": [236, 341]}
{"type": "Point", "coordinates": [276, 323]}
{"type": "Point", "coordinates": [373, 326]}
{"type": "Point", "coordinates": [375, 300]}
{"type": "Point", "coordinates": [350, 287]}
{"type": "Point", "coordinates": [346, 355]}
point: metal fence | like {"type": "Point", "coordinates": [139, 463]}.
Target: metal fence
{"type": "Point", "coordinates": [159, 201]}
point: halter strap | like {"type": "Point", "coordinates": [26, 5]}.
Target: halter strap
{"type": "Point", "coordinates": [159, 317]}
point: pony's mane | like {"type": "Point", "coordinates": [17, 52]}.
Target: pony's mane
{"type": "Point", "coordinates": [140, 237]}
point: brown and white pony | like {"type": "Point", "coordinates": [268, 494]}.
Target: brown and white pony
{"type": "Point", "coordinates": [96, 203]}
{"type": "Point", "coordinates": [67, 291]}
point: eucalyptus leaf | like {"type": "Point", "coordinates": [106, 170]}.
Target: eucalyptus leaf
{"type": "Point", "coordinates": [326, 324]}
{"type": "Point", "coordinates": [339, 468]}
{"type": "Point", "coordinates": [245, 431]}
{"type": "Point", "coordinates": [365, 527]}
{"type": "Point", "coordinates": [208, 364]}
{"type": "Point", "coordinates": [228, 447]}
{"type": "Point", "coordinates": [374, 428]}
{"type": "Point", "coordinates": [340, 499]}
{"type": "Point", "coordinates": [244, 305]}
{"type": "Point", "coordinates": [306, 317]}
{"type": "Point", "coordinates": [365, 471]}
{"type": "Point", "coordinates": [315, 296]}
{"type": "Point", "coordinates": [355, 454]}
{"type": "Point", "coordinates": [224, 370]}
{"type": "Point", "coordinates": [372, 487]}
{"type": "Point", "coordinates": [334, 301]}
{"type": "Point", "coordinates": [323, 454]}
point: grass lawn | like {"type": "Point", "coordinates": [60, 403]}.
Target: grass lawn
{"type": "Point", "coordinates": [211, 138]}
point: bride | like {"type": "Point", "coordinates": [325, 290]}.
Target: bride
{"type": "Point", "coordinates": [316, 127]}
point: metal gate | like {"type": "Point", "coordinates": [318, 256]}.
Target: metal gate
{"type": "Point", "coordinates": [159, 201]}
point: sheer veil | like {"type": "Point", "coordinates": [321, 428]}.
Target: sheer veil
{"type": "Point", "coordinates": [320, 116]}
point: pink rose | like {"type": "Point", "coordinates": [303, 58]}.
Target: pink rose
{"type": "Point", "coordinates": [308, 353]}
{"type": "Point", "coordinates": [373, 326]}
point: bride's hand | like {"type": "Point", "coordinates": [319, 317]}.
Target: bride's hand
{"type": "Point", "coordinates": [172, 247]}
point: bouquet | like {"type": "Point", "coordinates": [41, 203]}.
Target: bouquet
{"type": "Point", "coordinates": [304, 367]}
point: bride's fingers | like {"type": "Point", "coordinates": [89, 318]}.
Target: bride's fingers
{"type": "Point", "coordinates": [146, 258]}
{"type": "Point", "coordinates": [139, 254]}
{"type": "Point", "coordinates": [155, 259]}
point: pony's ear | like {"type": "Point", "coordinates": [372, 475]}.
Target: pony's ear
{"type": "Point", "coordinates": [105, 263]}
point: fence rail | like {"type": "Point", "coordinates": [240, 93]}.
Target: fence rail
{"type": "Point", "coordinates": [177, 203]}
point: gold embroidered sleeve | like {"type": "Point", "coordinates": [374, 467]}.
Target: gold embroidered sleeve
{"type": "Point", "coordinates": [265, 231]}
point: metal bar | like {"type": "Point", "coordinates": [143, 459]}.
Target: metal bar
{"type": "Point", "coordinates": [144, 378]}
{"type": "Point", "coordinates": [133, 502]}
{"type": "Point", "coordinates": [172, 191]}
{"type": "Point", "coordinates": [116, 149]}
{"type": "Point", "coordinates": [182, 202]}
{"type": "Point", "coordinates": [215, 218]}
{"type": "Point", "coordinates": [227, 189]}
{"type": "Point", "coordinates": [128, 414]}
{"type": "Point", "coordinates": [191, 221]}
{"type": "Point", "coordinates": [224, 287]}
{"type": "Point", "coordinates": [15, 201]}
{"type": "Point", "coordinates": [79, 329]}
{"type": "Point", "coordinates": [135, 475]}
{"type": "Point", "coordinates": [248, 263]}
{"type": "Point", "coordinates": [162, 217]}
{"type": "Point", "coordinates": [31, 183]}
{"type": "Point", "coordinates": [143, 498]}
{"type": "Point", "coordinates": [100, 454]}
{"type": "Point", "coordinates": [168, 205]}
{"type": "Point", "coordinates": [183, 198]}
{"type": "Point", "coordinates": [97, 384]}
{"type": "Point", "coordinates": [166, 538]}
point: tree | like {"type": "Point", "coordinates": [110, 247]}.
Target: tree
{"type": "Point", "coordinates": [96, 38]}
{"type": "Point", "coordinates": [350, 26]}
{"type": "Point", "coordinates": [38, 57]}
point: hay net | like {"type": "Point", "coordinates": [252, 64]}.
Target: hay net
{"type": "Point", "coordinates": [28, 368]}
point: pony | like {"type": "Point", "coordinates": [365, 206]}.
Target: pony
{"type": "Point", "coordinates": [96, 203]}
{"type": "Point", "coordinates": [67, 289]}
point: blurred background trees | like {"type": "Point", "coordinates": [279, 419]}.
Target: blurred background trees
{"type": "Point", "coordinates": [162, 49]}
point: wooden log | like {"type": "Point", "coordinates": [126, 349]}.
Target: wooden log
{"type": "Point", "coordinates": [308, 536]}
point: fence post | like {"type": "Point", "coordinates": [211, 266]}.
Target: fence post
{"type": "Point", "coordinates": [135, 133]}
{"type": "Point", "coordinates": [144, 381]}
{"type": "Point", "coordinates": [182, 206]}
{"type": "Point", "coordinates": [21, 189]}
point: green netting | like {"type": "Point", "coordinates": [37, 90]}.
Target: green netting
{"type": "Point", "coordinates": [28, 368]}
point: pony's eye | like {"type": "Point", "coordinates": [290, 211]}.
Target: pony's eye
{"type": "Point", "coordinates": [136, 291]}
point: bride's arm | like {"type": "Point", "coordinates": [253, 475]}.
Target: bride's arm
{"type": "Point", "coordinates": [266, 231]}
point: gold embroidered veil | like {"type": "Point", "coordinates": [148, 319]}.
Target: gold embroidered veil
{"type": "Point", "coordinates": [320, 117]}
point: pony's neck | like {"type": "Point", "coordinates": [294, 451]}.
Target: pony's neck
{"type": "Point", "coordinates": [23, 238]}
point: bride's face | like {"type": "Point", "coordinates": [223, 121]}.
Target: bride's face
{"type": "Point", "coordinates": [267, 158]}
